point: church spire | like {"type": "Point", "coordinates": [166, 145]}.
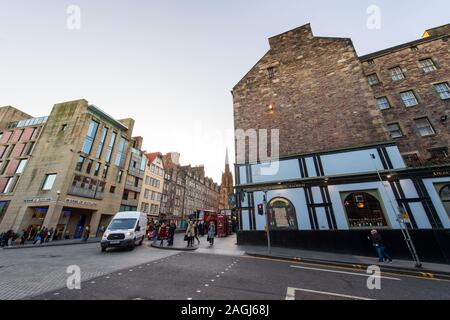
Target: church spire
{"type": "Point", "coordinates": [227, 162]}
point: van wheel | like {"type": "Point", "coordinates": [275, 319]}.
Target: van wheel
{"type": "Point", "coordinates": [131, 247]}
{"type": "Point", "coordinates": [142, 240]}
{"type": "Point", "coordinates": [103, 249]}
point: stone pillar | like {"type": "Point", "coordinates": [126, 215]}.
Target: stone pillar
{"type": "Point", "coordinates": [95, 220]}
{"type": "Point", "coordinates": [53, 215]}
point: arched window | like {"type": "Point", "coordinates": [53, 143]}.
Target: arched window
{"type": "Point", "coordinates": [282, 214]}
{"type": "Point", "coordinates": [364, 211]}
{"type": "Point", "coordinates": [445, 197]}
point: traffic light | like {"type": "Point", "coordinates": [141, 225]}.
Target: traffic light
{"type": "Point", "coordinates": [260, 209]}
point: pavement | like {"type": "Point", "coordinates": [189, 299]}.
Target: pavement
{"type": "Point", "coordinates": [220, 272]}
{"type": "Point", "coordinates": [197, 276]}
{"type": "Point", "coordinates": [30, 244]}
{"type": "Point", "coordinates": [228, 245]}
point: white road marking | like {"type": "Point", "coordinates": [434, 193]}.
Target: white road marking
{"type": "Point", "coordinates": [290, 295]}
{"type": "Point", "coordinates": [92, 281]}
{"type": "Point", "coordinates": [198, 291]}
{"type": "Point", "coordinates": [206, 285]}
{"type": "Point", "coordinates": [344, 272]}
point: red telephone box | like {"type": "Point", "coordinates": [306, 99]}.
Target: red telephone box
{"type": "Point", "coordinates": [222, 225]}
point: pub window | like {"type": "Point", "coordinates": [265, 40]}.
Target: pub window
{"type": "Point", "coordinates": [445, 197]}
{"type": "Point", "coordinates": [282, 214]}
{"type": "Point", "coordinates": [364, 211]}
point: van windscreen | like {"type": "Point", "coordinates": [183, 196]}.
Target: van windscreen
{"type": "Point", "coordinates": [122, 224]}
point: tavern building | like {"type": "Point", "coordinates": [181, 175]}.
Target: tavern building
{"type": "Point", "coordinates": [344, 168]}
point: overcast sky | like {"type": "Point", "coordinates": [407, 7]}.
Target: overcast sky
{"type": "Point", "coordinates": [171, 64]}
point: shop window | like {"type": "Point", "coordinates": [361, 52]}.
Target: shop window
{"type": "Point", "coordinates": [282, 214]}
{"type": "Point", "coordinates": [3, 207]}
{"type": "Point", "coordinates": [445, 197]}
{"type": "Point", "coordinates": [364, 211]}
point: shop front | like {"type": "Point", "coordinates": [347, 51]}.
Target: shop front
{"type": "Point", "coordinates": [72, 223]}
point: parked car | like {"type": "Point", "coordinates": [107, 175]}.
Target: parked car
{"type": "Point", "coordinates": [125, 231]}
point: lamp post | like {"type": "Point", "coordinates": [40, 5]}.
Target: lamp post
{"type": "Point", "coordinates": [266, 209]}
{"type": "Point", "coordinates": [400, 219]}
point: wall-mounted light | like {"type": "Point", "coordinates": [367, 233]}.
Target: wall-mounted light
{"type": "Point", "coordinates": [444, 118]}
{"type": "Point", "coordinates": [270, 107]}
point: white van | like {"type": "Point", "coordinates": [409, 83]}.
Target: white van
{"type": "Point", "coordinates": [125, 230]}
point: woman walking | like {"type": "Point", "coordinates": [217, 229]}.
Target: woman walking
{"type": "Point", "coordinates": [196, 233]}
{"type": "Point", "coordinates": [211, 233]}
{"type": "Point", "coordinates": [190, 233]}
{"type": "Point", "coordinates": [162, 234]}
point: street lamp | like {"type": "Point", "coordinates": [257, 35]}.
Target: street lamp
{"type": "Point", "coordinates": [400, 219]}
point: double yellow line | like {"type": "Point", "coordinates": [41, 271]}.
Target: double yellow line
{"type": "Point", "coordinates": [296, 260]}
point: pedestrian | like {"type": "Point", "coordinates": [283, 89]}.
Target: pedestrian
{"type": "Point", "coordinates": [49, 235]}
{"type": "Point", "coordinates": [211, 233]}
{"type": "Point", "coordinates": [196, 232]}
{"type": "Point", "coordinates": [201, 228]}
{"type": "Point", "coordinates": [162, 233]}
{"type": "Point", "coordinates": [190, 233]}
{"type": "Point", "coordinates": [155, 233]}
{"type": "Point", "coordinates": [37, 239]}
{"type": "Point", "coordinates": [87, 232]}
{"type": "Point", "coordinates": [379, 246]}
{"type": "Point", "coordinates": [44, 235]}
{"type": "Point", "coordinates": [24, 237]}
{"type": "Point", "coordinates": [172, 229]}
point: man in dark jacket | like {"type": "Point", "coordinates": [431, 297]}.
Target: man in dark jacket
{"type": "Point", "coordinates": [378, 244]}
{"type": "Point", "coordinates": [172, 229]}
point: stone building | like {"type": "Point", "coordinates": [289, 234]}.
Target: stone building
{"type": "Point", "coordinates": [134, 177]}
{"type": "Point", "coordinates": [186, 190]}
{"type": "Point", "coordinates": [173, 189]}
{"type": "Point", "coordinates": [315, 81]}
{"type": "Point", "coordinates": [62, 171]}
{"type": "Point", "coordinates": [226, 187]}
{"type": "Point", "coordinates": [339, 173]}
{"type": "Point", "coordinates": [410, 84]}
{"type": "Point", "coordinates": [152, 189]}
